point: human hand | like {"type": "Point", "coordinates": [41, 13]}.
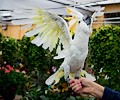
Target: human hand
{"type": "Point", "coordinates": [85, 86]}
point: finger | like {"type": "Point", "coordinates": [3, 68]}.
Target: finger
{"type": "Point", "coordinates": [71, 81]}
{"type": "Point", "coordinates": [76, 87]}
{"type": "Point", "coordinates": [72, 85]}
{"type": "Point", "coordinates": [75, 83]}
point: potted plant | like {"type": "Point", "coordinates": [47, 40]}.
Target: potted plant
{"type": "Point", "coordinates": [10, 81]}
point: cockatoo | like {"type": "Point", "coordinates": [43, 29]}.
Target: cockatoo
{"type": "Point", "coordinates": [53, 30]}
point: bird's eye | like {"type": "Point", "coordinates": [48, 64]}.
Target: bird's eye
{"type": "Point", "coordinates": [78, 21]}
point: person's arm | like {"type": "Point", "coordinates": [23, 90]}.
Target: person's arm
{"type": "Point", "coordinates": [88, 87]}
{"type": "Point", "coordinates": [110, 94]}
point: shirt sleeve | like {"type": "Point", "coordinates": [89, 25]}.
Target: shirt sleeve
{"type": "Point", "coordinates": [110, 94]}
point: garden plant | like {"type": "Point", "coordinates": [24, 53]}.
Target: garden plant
{"type": "Point", "coordinates": [104, 55]}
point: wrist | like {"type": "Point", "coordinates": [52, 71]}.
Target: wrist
{"type": "Point", "coordinates": [98, 90]}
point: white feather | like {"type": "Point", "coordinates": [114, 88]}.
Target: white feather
{"type": "Point", "coordinates": [62, 54]}
{"type": "Point", "coordinates": [35, 40]}
{"type": "Point", "coordinates": [51, 79]}
{"type": "Point", "coordinates": [32, 32]}
{"type": "Point", "coordinates": [53, 28]}
{"type": "Point", "coordinates": [44, 37]}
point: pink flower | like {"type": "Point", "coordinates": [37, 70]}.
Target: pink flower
{"type": "Point", "coordinates": [9, 67]}
{"type": "Point", "coordinates": [54, 69]}
{"type": "Point", "coordinates": [23, 72]}
{"type": "Point", "coordinates": [6, 70]}
{"type": "Point", "coordinates": [17, 70]}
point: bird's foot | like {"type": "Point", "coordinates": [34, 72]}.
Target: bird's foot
{"type": "Point", "coordinates": [67, 80]}
{"type": "Point", "coordinates": [77, 77]}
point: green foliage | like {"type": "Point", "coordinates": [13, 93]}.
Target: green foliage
{"type": "Point", "coordinates": [12, 78]}
{"type": "Point", "coordinates": [0, 36]}
{"type": "Point", "coordinates": [38, 63]}
{"type": "Point", "coordinates": [0, 47]}
{"type": "Point", "coordinates": [104, 54]}
{"type": "Point", "coordinates": [40, 94]}
{"type": "Point", "coordinates": [28, 54]}
{"type": "Point", "coordinates": [36, 57]}
{"type": "Point", "coordinates": [11, 82]}
{"type": "Point", "coordinates": [40, 91]}
{"type": "Point", "coordinates": [9, 48]}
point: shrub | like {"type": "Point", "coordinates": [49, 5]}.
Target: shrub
{"type": "Point", "coordinates": [11, 81]}
{"type": "Point", "coordinates": [104, 54]}
{"type": "Point", "coordinates": [10, 49]}
{"type": "Point", "coordinates": [38, 62]}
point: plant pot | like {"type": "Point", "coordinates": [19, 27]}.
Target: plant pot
{"type": "Point", "coordinates": [8, 92]}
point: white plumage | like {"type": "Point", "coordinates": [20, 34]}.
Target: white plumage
{"type": "Point", "coordinates": [52, 28]}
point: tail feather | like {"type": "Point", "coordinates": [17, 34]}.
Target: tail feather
{"type": "Point", "coordinates": [54, 79]}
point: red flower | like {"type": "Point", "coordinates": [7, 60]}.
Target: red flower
{"type": "Point", "coordinates": [6, 70]}
{"type": "Point", "coordinates": [9, 67]}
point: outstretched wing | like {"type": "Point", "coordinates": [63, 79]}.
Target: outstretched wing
{"type": "Point", "coordinates": [50, 28]}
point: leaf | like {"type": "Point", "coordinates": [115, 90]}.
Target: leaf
{"type": "Point", "coordinates": [71, 98]}
{"type": "Point", "coordinates": [111, 37]}
{"type": "Point", "coordinates": [43, 97]}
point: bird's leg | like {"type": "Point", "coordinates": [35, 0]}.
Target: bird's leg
{"type": "Point", "coordinates": [66, 72]}
{"type": "Point", "coordinates": [77, 74]}
{"type": "Point", "coordinates": [66, 69]}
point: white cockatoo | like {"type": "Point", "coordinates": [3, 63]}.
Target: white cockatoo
{"type": "Point", "coordinates": [52, 30]}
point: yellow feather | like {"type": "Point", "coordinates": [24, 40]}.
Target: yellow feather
{"type": "Point", "coordinates": [72, 75]}
{"type": "Point", "coordinates": [72, 29]}
{"type": "Point", "coordinates": [59, 74]}
{"type": "Point", "coordinates": [69, 18]}
{"type": "Point", "coordinates": [68, 10]}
